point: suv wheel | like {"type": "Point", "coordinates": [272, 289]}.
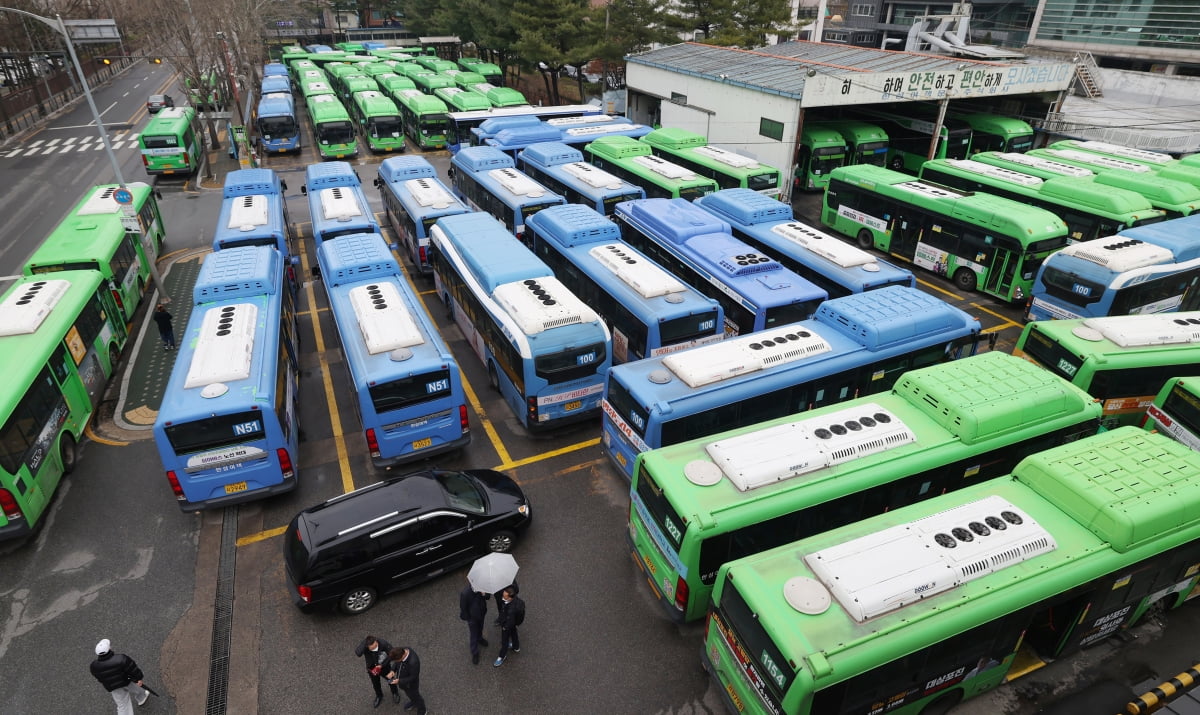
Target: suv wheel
{"type": "Point", "coordinates": [357, 600]}
{"type": "Point", "coordinates": [501, 542]}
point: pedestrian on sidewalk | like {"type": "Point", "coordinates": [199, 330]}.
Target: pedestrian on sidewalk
{"type": "Point", "coordinates": [165, 331]}
{"type": "Point", "coordinates": [406, 673]}
{"type": "Point", "coordinates": [512, 614]}
{"type": "Point", "coordinates": [375, 652]}
{"type": "Point", "coordinates": [120, 676]}
{"type": "Point", "coordinates": [472, 608]}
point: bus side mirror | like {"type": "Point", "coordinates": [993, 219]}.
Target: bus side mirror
{"type": "Point", "coordinates": [294, 260]}
{"type": "Point", "coordinates": [394, 246]}
{"type": "Point", "coordinates": [304, 189]}
{"type": "Point", "coordinates": [992, 338]}
{"type": "Point", "coordinates": [282, 185]}
{"type": "Point", "coordinates": [158, 194]}
{"type": "Point", "coordinates": [378, 182]}
{"type": "Point", "coordinates": [316, 273]}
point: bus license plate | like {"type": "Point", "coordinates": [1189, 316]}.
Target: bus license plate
{"type": "Point", "coordinates": [573, 405]}
{"type": "Point", "coordinates": [235, 487]}
{"type": "Point", "coordinates": [423, 443]}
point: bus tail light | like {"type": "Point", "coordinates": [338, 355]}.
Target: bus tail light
{"type": "Point", "coordinates": [145, 160]}
{"type": "Point", "coordinates": [9, 505]}
{"type": "Point", "coordinates": [175, 485]}
{"type": "Point", "coordinates": [187, 159]}
{"type": "Point", "coordinates": [285, 463]}
{"type": "Point", "coordinates": [532, 409]}
{"type": "Point", "coordinates": [116, 294]}
{"type": "Point", "coordinates": [305, 593]}
{"type": "Point", "coordinates": [681, 594]}
{"type": "Point", "coordinates": [372, 443]}
{"type": "Point", "coordinates": [462, 419]}
{"type": "Point", "coordinates": [422, 255]}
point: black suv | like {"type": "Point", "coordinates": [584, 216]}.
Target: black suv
{"type": "Point", "coordinates": [398, 533]}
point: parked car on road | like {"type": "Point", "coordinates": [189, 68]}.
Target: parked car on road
{"type": "Point", "coordinates": [397, 533]}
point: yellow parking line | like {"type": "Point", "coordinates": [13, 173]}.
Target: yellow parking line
{"type": "Point", "coordinates": [260, 536]}
{"type": "Point", "coordinates": [939, 289]}
{"type": "Point", "coordinates": [87, 430]}
{"type": "Point", "coordinates": [335, 419]}
{"type": "Point", "coordinates": [547, 455]}
{"type": "Point", "coordinates": [1006, 322]}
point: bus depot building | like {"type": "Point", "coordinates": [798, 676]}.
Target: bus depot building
{"type": "Point", "coordinates": [758, 102]}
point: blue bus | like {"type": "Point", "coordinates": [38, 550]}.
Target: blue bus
{"type": "Point", "coordinates": [336, 201]}
{"type": "Point", "coordinates": [512, 140]}
{"type": "Point", "coordinates": [829, 262]}
{"type": "Point", "coordinates": [487, 180]}
{"type": "Point", "coordinates": [407, 386]}
{"type": "Point", "coordinates": [413, 200]}
{"type": "Point", "coordinates": [254, 212]}
{"type": "Point", "coordinates": [545, 351]}
{"type": "Point", "coordinates": [561, 169]}
{"type": "Point", "coordinates": [648, 311]}
{"type": "Point", "coordinates": [227, 430]}
{"type": "Point", "coordinates": [855, 345]}
{"type": "Point", "coordinates": [756, 291]}
{"type": "Point", "coordinates": [276, 85]}
{"type": "Point", "coordinates": [1146, 269]}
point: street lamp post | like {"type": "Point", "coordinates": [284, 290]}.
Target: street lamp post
{"type": "Point", "coordinates": [60, 27]}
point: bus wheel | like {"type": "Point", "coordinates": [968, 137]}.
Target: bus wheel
{"type": "Point", "coordinates": [943, 704]}
{"type": "Point", "coordinates": [66, 450]}
{"type": "Point", "coordinates": [964, 278]}
{"type": "Point", "coordinates": [357, 600]}
{"type": "Point", "coordinates": [865, 239]}
{"type": "Point", "coordinates": [896, 164]}
{"type": "Point", "coordinates": [501, 542]}
{"type": "Point", "coordinates": [493, 378]}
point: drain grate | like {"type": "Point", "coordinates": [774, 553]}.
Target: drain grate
{"type": "Point", "coordinates": [218, 663]}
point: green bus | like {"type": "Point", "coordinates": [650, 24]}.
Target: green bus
{"type": "Point", "coordinates": [434, 63]}
{"type": "Point", "coordinates": [981, 242]}
{"type": "Point", "coordinates": [375, 70]}
{"type": "Point", "coordinates": [310, 88]}
{"type": "Point", "coordinates": [424, 118]}
{"type": "Point", "coordinates": [392, 83]}
{"type": "Point", "coordinates": [379, 121]}
{"type": "Point", "coordinates": [822, 149]}
{"type": "Point", "coordinates": [913, 611]}
{"type": "Point", "coordinates": [700, 504]}
{"type": "Point", "coordinates": [354, 84]}
{"type": "Point", "coordinates": [60, 339]}
{"type": "Point", "coordinates": [339, 73]}
{"type": "Point", "coordinates": [728, 169]}
{"type": "Point", "coordinates": [299, 67]}
{"type": "Point", "coordinates": [95, 236]}
{"type": "Point", "coordinates": [866, 143]}
{"type": "Point", "coordinates": [1067, 153]}
{"type": "Point", "coordinates": [1090, 211]}
{"type": "Point", "coordinates": [351, 47]}
{"type": "Point", "coordinates": [1121, 360]}
{"type": "Point", "coordinates": [910, 137]}
{"type": "Point", "coordinates": [634, 161]}
{"type": "Point", "coordinates": [428, 82]}
{"type": "Point", "coordinates": [467, 80]}
{"type": "Point", "coordinates": [169, 143]}
{"type": "Point", "coordinates": [333, 130]}
{"type": "Point", "coordinates": [1175, 198]}
{"type": "Point", "coordinates": [990, 132]}
{"type": "Point", "coordinates": [492, 74]}
{"type": "Point", "coordinates": [1175, 411]}
{"type": "Point", "coordinates": [462, 100]}
{"type": "Point", "coordinates": [500, 96]}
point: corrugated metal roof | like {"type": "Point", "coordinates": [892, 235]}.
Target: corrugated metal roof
{"type": "Point", "coordinates": [780, 69]}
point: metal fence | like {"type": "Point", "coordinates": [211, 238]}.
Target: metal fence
{"type": "Point", "coordinates": [22, 108]}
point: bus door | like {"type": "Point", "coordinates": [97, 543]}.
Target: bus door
{"type": "Point", "coordinates": [1001, 269]}
{"type": "Point", "coordinates": [906, 232]}
{"type": "Point", "coordinates": [1053, 624]}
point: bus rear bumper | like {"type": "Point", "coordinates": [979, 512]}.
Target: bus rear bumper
{"type": "Point", "coordinates": [551, 425]}
{"type": "Point", "coordinates": [672, 613]}
{"type": "Point", "coordinates": [390, 462]}
{"type": "Point", "coordinates": [283, 487]}
{"type": "Point", "coordinates": [726, 697]}
{"type": "Point", "coordinates": [16, 529]}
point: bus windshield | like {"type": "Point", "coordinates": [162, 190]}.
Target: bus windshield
{"type": "Point", "coordinates": [336, 132]}
{"type": "Point", "coordinates": [689, 327]}
{"type": "Point", "coordinates": [1052, 355]}
{"type": "Point", "coordinates": [744, 633]}
{"type": "Point", "coordinates": [216, 431]}
{"type": "Point", "coordinates": [276, 126]}
{"type": "Point", "coordinates": [410, 390]}
{"type": "Point", "coordinates": [384, 126]}
{"type": "Point", "coordinates": [630, 411]}
{"type": "Point", "coordinates": [770, 179]}
{"type": "Point", "coordinates": [661, 513]}
{"type": "Point", "coordinates": [788, 314]}
{"type": "Point", "coordinates": [571, 364]}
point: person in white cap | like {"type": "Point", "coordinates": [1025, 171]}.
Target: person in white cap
{"type": "Point", "coordinates": [119, 675]}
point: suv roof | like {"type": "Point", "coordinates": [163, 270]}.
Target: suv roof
{"type": "Point", "coordinates": [346, 513]}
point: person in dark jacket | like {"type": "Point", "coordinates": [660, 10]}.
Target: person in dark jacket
{"type": "Point", "coordinates": [374, 651]}
{"type": "Point", "coordinates": [499, 596]}
{"type": "Point", "coordinates": [120, 676]}
{"type": "Point", "coordinates": [472, 608]}
{"type": "Point", "coordinates": [512, 614]}
{"type": "Point", "coordinates": [165, 331]}
{"type": "Point", "coordinates": [406, 673]}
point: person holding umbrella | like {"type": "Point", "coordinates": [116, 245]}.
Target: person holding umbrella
{"type": "Point", "coordinates": [120, 676]}
{"type": "Point", "coordinates": [472, 608]}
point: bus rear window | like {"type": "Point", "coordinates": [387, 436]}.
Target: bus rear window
{"type": "Point", "coordinates": [1052, 355]}
{"type": "Point", "coordinates": [1184, 408]}
{"type": "Point", "coordinates": [396, 394]}
{"type": "Point", "coordinates": [570, 365]}
{"type": "Point", "coordinates": [770, 180]}
{"type": "Point", "coordinates": [691, 193]}
{"type": "Point", "coordinates": [689, 327]}
{"type": "Point", "coordinates": [527, 211]}
{"type": "Point", "coordinates": [790, 313]}
{"type": "Point", "coordinates": [164, 142]}
{"type": "Point", "coordinates": [216, 431]}
{"type": "Point", "coordinates": [620, 400]}
{"type": "Point", "coordinates": [755, 649]}
{"type": "Point", "coordinates": [665, 517]}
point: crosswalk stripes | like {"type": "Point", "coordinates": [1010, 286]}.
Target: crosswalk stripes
{"type": "Point", "coordinates": [68, 145]}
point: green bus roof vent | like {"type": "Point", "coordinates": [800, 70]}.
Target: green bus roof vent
{"type": "Point", "coordinates": [881, 572]}
{"type": "Point", "coordinates": [23, 311]}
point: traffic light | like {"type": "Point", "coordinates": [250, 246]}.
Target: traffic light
{"type": "Point", "coordinates": [156, 60]}
{"type": "Point", "coordinates": [105, 61]}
